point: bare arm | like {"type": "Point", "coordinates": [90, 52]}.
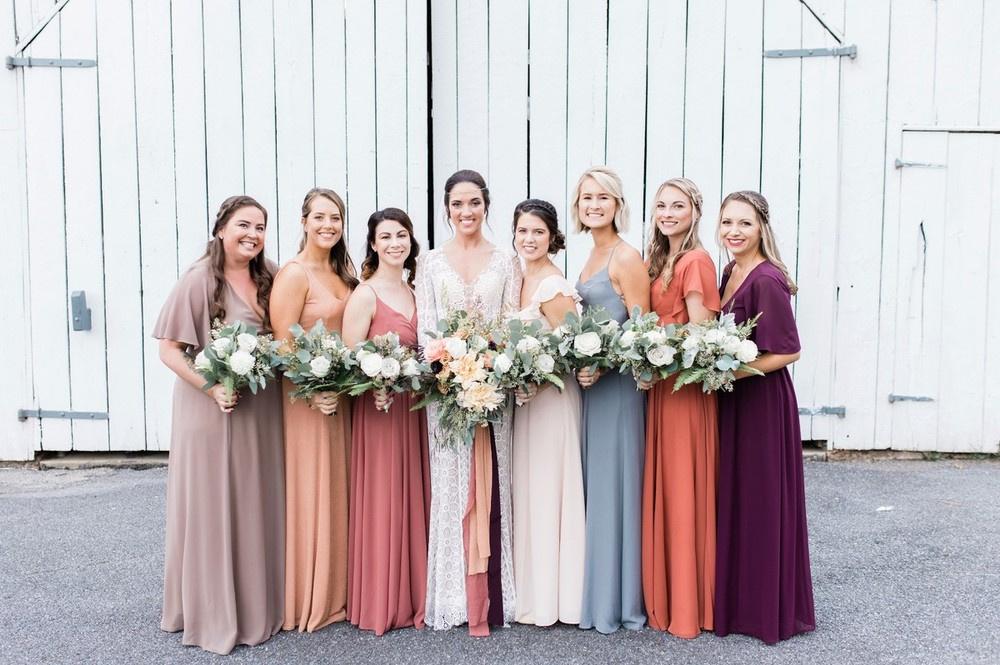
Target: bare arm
{"type": "Point", "coordinates": [696, 310]}
{"type": "Point", "coordinates": [629, 276]}
{"type": "Point", "coordinates": [358, 315]}
{"type": "Point", "coordinates": [173, 355]}
{"type": "Point", "coordinates": [288, 297]}
{"type": "Point", "coordinates": [556, 309]}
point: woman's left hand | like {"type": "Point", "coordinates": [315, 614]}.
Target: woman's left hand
{"type": "Point", "coordinates": [383, 399]}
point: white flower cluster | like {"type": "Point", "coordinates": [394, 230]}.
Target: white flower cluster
{"type": "Point", "coordinates": [645, 348]}
{"type": "Point", "coordinates": [237, 357]}
{"type": "Point", "coordinates": [713, 351]}
{"type": "Point", "coordinates": [383, 363]}
{"type": "Point", "coordinates": [316, 361]}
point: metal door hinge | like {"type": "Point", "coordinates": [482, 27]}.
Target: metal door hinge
{"type": "Point", "coordinates": [839, 411]}
{"type": "Point", "coordinates": [24, 414]}
{"type": "Point", "coordinates": [80, 311]}
{"type": "Point", "coordinates": [851, 51]}
{"type": "Point", "coordinates": [13, 62]}
{"type": "Point", "coordinates": [909, 398]}
{"type": "Point", "coordinates": [899, 163]}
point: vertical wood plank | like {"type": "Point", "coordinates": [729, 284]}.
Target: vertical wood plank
{"type": "Point", "coordinates": [84, 255]}
{"type": "Point", "coordinates": [742, 96]}
{"type": "Point", "coordinates": [362, 134]}
{"type": "Point", "coordinates": [957, 76]}
{"type": "Point", "coordinates": [120, 205]}
{"type": "Point", "coordinates": [390, 109]}
{"type": "Point", "coordinates": [989, 82]}
{"type": "Point", "coordinates": [417, 148]}
{"type": "Point", "coordinates": [223, 100]}
{"type": "Point", "coordinates": [444, 100]}
{"type": "Point", "coordinates": [472, 66]}
{"type": "Point", "coordinates": [990, 386]}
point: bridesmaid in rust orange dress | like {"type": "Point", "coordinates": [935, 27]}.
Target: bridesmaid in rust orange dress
{"type": "Point", "coordinates": [315, 286]}
{"type": "Point", "coordinates": [682, 439]}
{"type": "Point", "coordinates": [390, 477]}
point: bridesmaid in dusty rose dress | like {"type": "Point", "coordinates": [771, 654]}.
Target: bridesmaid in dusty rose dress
{"type": "Point", "coordinates": [390, 477]}
{"type": "Point", "coordinates": [224, 552]}
{"type": "Point", "coordinates": [314, 286]}
{"type": "Point", "coordinates": [763, 582]}
{"type": "Point", "coordinates": [547, 478]}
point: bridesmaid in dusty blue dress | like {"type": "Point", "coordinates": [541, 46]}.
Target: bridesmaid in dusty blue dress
{"type": "Point", "coordinates": [613, 417]}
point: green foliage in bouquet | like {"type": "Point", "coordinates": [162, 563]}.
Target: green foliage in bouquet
{"type": "Point", "coordinates": [237, 357]}
{"type": "Point", "coordinates": [316, 361]}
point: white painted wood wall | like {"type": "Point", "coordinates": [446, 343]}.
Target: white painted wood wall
{"type": "Point", "coordinates": [118, 170]}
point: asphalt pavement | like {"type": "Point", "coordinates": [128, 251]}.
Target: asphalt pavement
{"type": "Point", "coordinates": [904, 559]}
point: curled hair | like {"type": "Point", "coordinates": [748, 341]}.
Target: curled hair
{"type": "Point", "coordinates": [215, 254]}
{"type": "Point", "coordinates": [610, 182]}
{"type": "Point", "coordinates": [340, 258]}
{"type": "Point", "coordinates": [370, 264]}
{"type": "Point", "coordinates": [546, 212]}
{"type": "Point", "coordinates": [470, 176]}
{"type": "Point", "coordinates": [768, 244]}
{"type": "Point", "coordinates": [658, 250]}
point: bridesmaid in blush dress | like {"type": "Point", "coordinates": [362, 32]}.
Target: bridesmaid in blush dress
{"type": "Point", "coordinates": [224, 556]}
{"type": "Point", "coordinates": [763, 581]}
{"type": "Point", "coordinates": [312, 287]}
{"type": "Point", "coordinates": [547, 478]}
{"type": "Point", "coordinates": [682, 440]}
{"type": "Point", "coordinates": [613, 416]}
{"type": "Point", "coordinates": [390, 478]}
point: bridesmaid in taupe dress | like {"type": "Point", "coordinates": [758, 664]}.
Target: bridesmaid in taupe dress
{"type": "Point", "coordinates": [225, 485]}
{"type": "Point", "coordinates": [314, 286]}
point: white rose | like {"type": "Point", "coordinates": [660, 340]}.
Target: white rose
{"type": "Point", "coordinates": [731, 345]}
{"type": "Point", "coordinates": [528, 344]}
{"type": "Point", "coordinates": [588, 343]}
{"type": "Point", "coordinates": [502, 364]}
{"type": "Point", "coordinates": [747, 352]}
{"type": "Point", "coordinates": [661, 355]}
{"type": "Point", "coordinates": [370, 363]}
{"type": "Point", "coordinates": [610, 327]}
{"type": "Point", "coordinates": [411, 367]}
{"type": "Point", "coordinates": [545, 363]}
{"type": "Point", "coordinates": [246, 342]}
{"type": "Point", "coordinates": [241, 362]}
{"type": "Point", "coordinates": [691, 342]}
{"type": "Point", "coordinates": [320, 366]}
{"type": "Point", "coordinates": [455, 347]}
{"type": "Point", "coordinates": [714, 336]}
{"type": "Point", "coordinates": [655, 337]}
{"type": "Point", "coordinates": [390, 368]}
{"type": "Point", "coordinates": [201, 362]}
{"type": "Point", "coordinates": [627, 338]}
{"type": "Point", "coordinates": [222, 346]}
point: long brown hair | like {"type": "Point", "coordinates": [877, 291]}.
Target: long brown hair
{"type": "Point", "coordinates": [370, 264]}
{"type": "Point", "coordinates": [768, 244]}
{"type": "Point", "coordinates": [216, 256]}
{"type": "Point", "coordinates": [340, 258]}
{"type": "Point", "coordinates": [658, 251]}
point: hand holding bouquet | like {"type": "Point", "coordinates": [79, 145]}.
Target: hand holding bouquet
{"type": "Point", "coordinates": [527, 358]}
{"type": "Point", "coordinates": [645, 348]}
{"type": "Point", "coordinates": [386, 366]}
{"type": "Point", "coordinates": [236, 358]}
{"type": "Point", "coordinates": [317, 362]}
{"type": "Point", "coordinates": [713, 351]}
{"type": "Point", "coordinates": [586, 342]}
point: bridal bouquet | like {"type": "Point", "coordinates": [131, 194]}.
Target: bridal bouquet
{"type": "Point", "coordinates": [237, 357]}
{"type": "Point", "coordinates": [464, 384]}
{"type": "Point", "coordinates": [316, 361]}
{"type": "Point", "coordinates": [645, 348]}
{"type": "Point", "coordinates": [385, 364]}
{"type": "Point", "coordinates": [713, 351]}
{"type": "Point", "coordinates": [528, 355]}
{"type": "Point", "coordinates": [585, 340]}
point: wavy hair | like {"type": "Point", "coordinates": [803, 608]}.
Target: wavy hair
{"type": "Point", "coordinates": [658, 251]}
{"type": "Point", "coordinates": [768, 244]}
{"type": "Point", "coordinates": [340, 258]}
{"type": "Point", "coordinates": [370, 264]}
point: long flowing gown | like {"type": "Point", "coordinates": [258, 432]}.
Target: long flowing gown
{"type": "Point", "coordinates": [390, 501]}
{"type": "Point", "coordinates": [316, 471]}
{"type": "Point", "coordinates": [678, 495]}
{"type": "Point", "coordinates": [763, 581]}
{"type": "Point", "coordinates": [547, 491]}
{"type": "Point", "coordinates": [493, 294]}
{"type": "Point", "coordinates": [223, 579]}
{"type": "Point", "coordinates": [613, 443]}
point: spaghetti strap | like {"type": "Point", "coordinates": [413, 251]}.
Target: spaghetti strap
{"type": "Point", "coordinates": [612, 254]}
{"type": "Point", "coordinates": [308, 272]}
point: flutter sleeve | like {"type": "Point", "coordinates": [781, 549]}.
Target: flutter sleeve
{"type": "Point", "coordinates": [186, 315]}
{"type": "Point", "coordinates": [697, 275]}
{"type": "Point", "coordinates": [426, 300]}
{"type": "Point", "coordinates": [776, 331]}
{"type": "Point", "coordinates": [553, 286]}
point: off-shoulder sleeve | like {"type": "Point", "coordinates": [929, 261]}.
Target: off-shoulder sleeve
{"type": "Point", "coordinates": [552, 286]}
{"type": "Point", "coordinates": [185, 316]}
{"type": "Point", "coordinates": [776, 331]}
{"type": "Point", "coordinates": [426, 302]}
{"type": "Point", "coordinates": [697, 275]}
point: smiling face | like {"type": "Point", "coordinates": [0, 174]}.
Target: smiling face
{"type": "Point", "coordinates": [597, 206]}
{"type": "Point", "coordinates": [531, 237]}
{"type": "Point", "coordinates": [673, 214]}
{"type": "Point", "coordinates": [324, 225]}
{"type": "Point", "coordinates": [243, 235]}
{"type": "Point", "coordinates": [466, 208]}
{"type": "Point", "coordinates": [392, 243]}
{"type": "Point", "coordinates": [739, 229]}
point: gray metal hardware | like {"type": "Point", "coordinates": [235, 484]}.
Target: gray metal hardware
{"type": "Point", "coordinates": [899, 163]}
{"type": "Point", "coordinates": [13, 62]}
{"type": "Point", "coordinates": [909, 398]}
{"type": "Point", "coordinates": [839, 411]}
{"type": "Point", "coordinates": [851, 51]}
{"type": "Point", "coordinates": [81, 313]}
{"type": "Point", "coordinates": [24, 414]}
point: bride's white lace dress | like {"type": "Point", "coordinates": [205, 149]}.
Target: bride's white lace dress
{"type": "Point", "coordinates": [494, 294]}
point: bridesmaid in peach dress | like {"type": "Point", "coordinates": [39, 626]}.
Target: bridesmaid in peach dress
{"type": "Point", "coordinates": [682, 438]}
{"type": "Point", "coordinates": [315, 286]}
{"type": "Point", "coordinates": [547, 477]}
{"type": "Point", "coordinates": [390, 476]}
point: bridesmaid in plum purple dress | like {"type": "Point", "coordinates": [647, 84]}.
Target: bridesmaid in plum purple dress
{"type": "Point", "coordinates": [763, 583]}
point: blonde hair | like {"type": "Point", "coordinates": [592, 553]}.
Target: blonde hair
{"type": "Point", "coordinates": [610, 182]}
{"type": "Point", "coordinates": [768, 244]}
{"type": "Point", "coordinates": [658, 249]}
